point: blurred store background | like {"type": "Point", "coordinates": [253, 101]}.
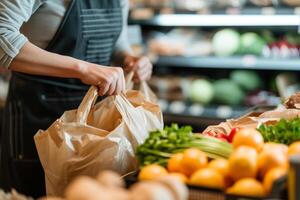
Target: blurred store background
{"type": "Point", "coordinates": [215, 59]}
{"type": "Point", "coordinates": [218, 59]}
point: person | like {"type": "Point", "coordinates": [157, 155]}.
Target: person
{"type": "Point", "coordinates": [55, 49]}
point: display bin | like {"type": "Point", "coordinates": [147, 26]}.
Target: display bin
{"type": "Point", "coordinates": [279, 191]}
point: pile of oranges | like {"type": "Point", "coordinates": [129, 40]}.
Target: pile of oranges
{"type": "Point", "coordinates": [251, 169]}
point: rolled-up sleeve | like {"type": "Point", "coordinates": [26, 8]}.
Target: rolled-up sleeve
{"type": "Point", "coordinates": [13, 13]}
{"type": "Point", "coordinates": [122, 42]}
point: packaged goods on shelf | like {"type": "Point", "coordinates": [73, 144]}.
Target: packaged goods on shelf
{"type": "Point", "coordinates": [180, 42]}
{"type": "Point", "coordinates": [292, 2]}
{"type": "Point", "coordinates": [169, 87]}
{"type": "Point", "coordinates": [264, 2]}
{"type": "Point", "coordinates": [230, 3]}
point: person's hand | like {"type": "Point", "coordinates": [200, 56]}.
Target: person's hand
{"type": "Point", "coordinates": [141, 66]}
{"type": "Point", "coordinates": [109, 80]}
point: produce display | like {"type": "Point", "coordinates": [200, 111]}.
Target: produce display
{"type": "Point", "coordinates": [231, 91]}
{"type": "Point", "coordinates": [247, 80]}
{"type": "Point", "coordinates": [228, 92]}
{"type": "Point", "coordinates": [251, 43]}
{"type": "Point", "coordinates": [201, 91]}
{"type": "Point", "coordinates": [240, 87]}
{"type": "Point", "coordinates": [162, 144]}
{"type": "Point", "coordinates": [231, 46]}
{"type": "Point", "coordinates": [250, 170]}
{"type": "Point", "coordinates": [242, 157]}
{"type": "Point", "coordinates": [285, 131]}
{"type": "Point", "coordinates": [191, 42]}
{"type": "Point", "coordinates": [257, 153]}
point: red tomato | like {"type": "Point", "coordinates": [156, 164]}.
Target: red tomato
{"type": "Point", "coordinates": [223, 137]}
{"type": "Point", "coordinates": [232, 134]}
{"type": "Point", "coordinates": [209, 134]}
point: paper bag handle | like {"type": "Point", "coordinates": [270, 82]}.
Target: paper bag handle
{"type": "Point", "coordinates": [91, 96]}
{"type": "Point", "coordinates": [129, 82]}
{"type": "Point", "coordinates": [143, 87]}
{"type": "Point", "coordinates": [86, 105]}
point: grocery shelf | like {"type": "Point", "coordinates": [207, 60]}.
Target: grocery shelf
{"type": "Point", "coordinates": [201, 116]}
{"type": "Point", "coordinates": [181, 108]}
{"type": "Point", "coordinates": [244, 62]}
{"type": "Point", "coordinates": [231, 17]}
{"type": "Point", "coordinates": [187, 20]}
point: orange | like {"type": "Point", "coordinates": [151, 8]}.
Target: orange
{"type": "Point", "coordinates": [174, 163]}
{"type": "Point", "coordinates": [152, 172]}
{"type": "Point", "coordinates": [221, 165]}
{"type": "Point", "coordinates": [247, 187]}
{"type": "Point", "coordinates": [242, 163]}
{"type": "Point", "coordinates": [294, 149]}
{"type": "Point", "coordinates": [269, 159]}
{"type": "Point", "coordinates": [248, 137]}
{"type": "Point", "coordinates": [276, 146]}
{"type": "Point", "coordinates": [192, 160]}
{"type": "Point", "coordinates": [183, 178]}
{"type": "Point", "coordinates": [273, 175]}
{"type": "Point", "coordinates": [207, 177]}
{"type": "Point", "coordinates": [228, 181]}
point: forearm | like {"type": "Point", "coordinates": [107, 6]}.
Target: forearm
{"type": "Point", "coordinates": [33, 60]}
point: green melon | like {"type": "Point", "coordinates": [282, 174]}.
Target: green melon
{"type": "Point", "coordinates": [248, 80]}
{"type": "Point", "coordinates": [201, 91]}
{"type": "Point", "coordinates": [228, 92]}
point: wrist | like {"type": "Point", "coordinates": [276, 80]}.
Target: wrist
{"type": "Point", "coordinates": [79, 68]}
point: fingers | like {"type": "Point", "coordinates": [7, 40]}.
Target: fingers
{"type": "Point", "coordinates": [130, 63]}
{"type": "Point", "coordinates": [113, 81]}
{"type": "Point", "coordinates": [120, 87]}
{"type": "Point", "coordinates": [121, 82]}
{"type": "Point", "coordinates": [112, 87]}
{"type": "Point", "coordinates": [103, 88]}
{"type": "Point", "coordinates": [130, 67]}
{"type": "Point", "coordinates": [144, 70]}
{"type": "Point", "coordinates": [143, 76]}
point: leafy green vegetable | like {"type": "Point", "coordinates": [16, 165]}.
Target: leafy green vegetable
{"type": "Point", "coordinates": [161, 144]}
{"type": "Point", "coordinates": [285, 131]}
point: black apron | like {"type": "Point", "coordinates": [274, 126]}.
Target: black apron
{"type": "Point", "coordinates": [88, 32]}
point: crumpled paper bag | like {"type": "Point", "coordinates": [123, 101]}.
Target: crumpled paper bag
{"type": "Point", "coordinates": [248, 121]}
{"type": "Point", "coordinates": [97, 137]}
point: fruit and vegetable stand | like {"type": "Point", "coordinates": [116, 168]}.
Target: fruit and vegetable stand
{"type": "Point", "coordinates": [253, 157]}
{"type": "Point", "coordinates": [256, 156]}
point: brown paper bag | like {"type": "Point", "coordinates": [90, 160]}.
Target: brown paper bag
{"type": "Point", "coordinates": [96, 137]}
{"type": "Point", "coordinates": [268, 117]}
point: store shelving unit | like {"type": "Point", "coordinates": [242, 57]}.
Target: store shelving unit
{"type": "Point", "coordinates": [254, 18]}
{"type": "Point", "coordinates": [244, 62]}
{"type": "Point", "coordinates": [197, 110]}
{"type": "Point", "coordinates": [233, 17]}
{"type": "Point", "coordinates": [189, 113]}
{"type": "Point", "coordinates": [221, 20]}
